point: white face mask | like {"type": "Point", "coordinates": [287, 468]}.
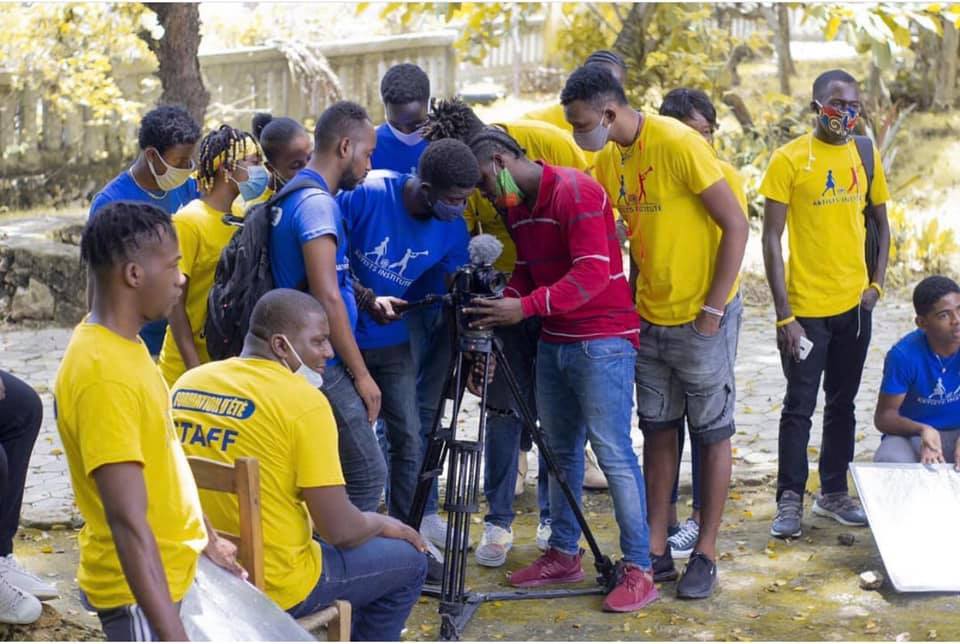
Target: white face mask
{"type": "Point", "coordinates": [172, 178]}
{"type": "Point", "coordinates": [313, 377]}
{"type": "Point", "coordinates": [411, 139]}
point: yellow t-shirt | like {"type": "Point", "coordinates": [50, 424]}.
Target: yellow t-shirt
{"type": "Point", "coordinates": [240, 206]}
{"type": "Point", "coordinates": [258, 408]}
{"type": "Point", "coordinates": [112, 406]}
{"type": "Point", "coordinates": [543, 142]}
{"type": "Point", "coordinates": [202, 236]}
{"type": "Point", "coordinates": [735, 179]}
{"type": "Point", "coordinates": [826, 271]}
{"type": "Point", "coordinates": [656, 185]}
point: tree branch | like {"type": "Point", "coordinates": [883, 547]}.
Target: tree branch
{"type": "Point", "coordinates": [600, 16]}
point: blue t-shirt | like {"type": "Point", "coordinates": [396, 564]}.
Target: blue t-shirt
{"type": "Point", "coordinates": [124, 188]}
{"type": "Point", "coordinates": [393, 154]}
{"type": "Point", "coordinates": [931, 385]}
{"type": "Point", "coordinates": [390, 248]}
{"type": "Point", "coordinates": [306, 215]}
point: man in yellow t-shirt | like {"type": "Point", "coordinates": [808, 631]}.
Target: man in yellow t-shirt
{"type": "Point", "coordinates": [693, 108]}
{"type": "Point", "coordinates": [230, 167]}
{"type": "Point", "coordinates": [817, 186]}
{"type": "Point", "coordinates": [144, 528]}
{"type": "Point", "coordinates": [266, 404]}
{"type": "Point", "coordinates": [688, 236]}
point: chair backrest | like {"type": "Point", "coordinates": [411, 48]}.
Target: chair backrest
{"type": "Point", "coordinates": [243, 479]}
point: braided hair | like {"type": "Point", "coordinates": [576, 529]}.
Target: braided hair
{"type": "Point", "coordinates": [606, 57]}
{"type": "Point", "coordinates": [222, 147]}
{"type": "Point", "coordinates": [451, 119]}
{"type": "Point", "coordinates": [492, 141]}
{"type": "Point", "coordinates": [121, 229]}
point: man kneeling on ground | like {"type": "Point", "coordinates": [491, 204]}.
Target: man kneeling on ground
{"type": "Point", "coordinates": [266, 404]}
{"type": "Point", "coordinates": [918, 410]}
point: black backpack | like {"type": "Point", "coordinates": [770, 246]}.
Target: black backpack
{"type": "Point", "coordinates": [243, 274]}
{"type": "Point", "coordinates": [872, 245]}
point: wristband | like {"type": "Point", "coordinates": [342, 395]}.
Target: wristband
{"type": "Point", "coordinates": [877, 288]}
{"type": "Point", "coordinates": [786, 321]}
{"type": "Point", "coordinates": [712, 311]}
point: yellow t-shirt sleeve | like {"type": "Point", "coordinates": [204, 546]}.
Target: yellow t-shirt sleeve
{"type": "Point", "coordinates": [777, 182]}
{"type": "Point", "coordinates": [107, 415]}
{"type": "Point", "coordinates": [879, 193]}
{"type": "Point", "coordinates": [315, 451]}
{"type": "Point", "coordinates": [695, 164]}
{"type": "Point", "coordinates": [472, 213]}
{"type": "Point", "coordinates": [189, 242]}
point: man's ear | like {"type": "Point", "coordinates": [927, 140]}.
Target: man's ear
{"type": "Point", "coordinates": [921, 323]}
{"type": "Point", "coordinates": [132, 274]}
{"type": "Point", "coordinates": [610, 114]}
{"type": "Point", "coordinates": [278, 346]}
{"type": "Point", "coordinates": [815, 107]}
{"type": "Point", "coordinates": [343, 147]}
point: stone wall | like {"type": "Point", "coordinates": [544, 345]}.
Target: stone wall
{"type": "Point", "coordinates": [41, 278]}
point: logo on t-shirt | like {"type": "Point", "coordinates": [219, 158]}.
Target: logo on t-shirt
{"type": "Point", "coordinates": [834, 194]}
{"type": "Point", "coordinates": [388, 265]}
{"type": "Point", "coordinates": [940, 395]}
{"type": "Point", "coordinates": [637, 202]}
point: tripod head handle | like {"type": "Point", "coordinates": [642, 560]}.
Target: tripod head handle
{"type": "Point", "coordinates": [429, 300]}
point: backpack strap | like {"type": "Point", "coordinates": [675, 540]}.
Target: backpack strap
{"type": "Point", "coordinates": [865, 150]}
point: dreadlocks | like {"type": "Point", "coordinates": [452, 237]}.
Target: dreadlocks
{"type": "Point", "coordinates": [223, 146]}
{"type": "Point", "coordinates": [119, 230]}
{"type": "Point", "coordinates": [451, 119]}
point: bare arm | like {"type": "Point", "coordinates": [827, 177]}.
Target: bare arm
{"type": "Point", "coordinates": [634, 276]}
{"type": "Point", "coordinates": [320, 259]}
{"type": "Point", "coordinates": [774, 222]}
{"type": "Point", "coordinates": [124, 496]}
{"type": "Point", "coordinates": [726, 212]}
{"type": "Point", "coordinates": [888, 420]}
{"type": "Point", "coordinates": [341, 524]}
{"type": "Point", "coordinates": [181, 331]}
{"type": "Point", "coordinates": [870, 296]}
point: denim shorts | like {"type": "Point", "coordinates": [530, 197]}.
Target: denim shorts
{"type": "Point", "coordinates": [683, 372]}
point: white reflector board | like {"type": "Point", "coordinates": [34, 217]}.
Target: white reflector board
{"type": "Point", "coordinates": [222, 607]}
{"type": "Point", "coordinates": [914, 513]}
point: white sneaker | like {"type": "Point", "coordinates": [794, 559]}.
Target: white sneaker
{"type": "Point", "coordinates": [494, 546]}
{"type": "Point", "coordinates": [543, 534]}
{"type": "Point", "coordinates": [17, 606]}
{"type": "Point", "coordinates": [682, 542]}
{"type": "Point", "coordinates": [25, 580]}
{"type": "Point", "coordinates": [434, 529]}
{"type": "Point", "coordinates": [593, 478]}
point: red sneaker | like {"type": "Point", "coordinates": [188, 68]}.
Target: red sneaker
{"type": "Point", "coordinates": [553, 567]}
{"type": "Point", "coordinates": [634, 591]}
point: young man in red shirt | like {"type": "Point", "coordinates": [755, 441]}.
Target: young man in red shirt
{"type": "Point", "coordinates": [569, 272]}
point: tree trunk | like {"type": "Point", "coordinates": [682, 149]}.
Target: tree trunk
{"type": "Point", "coordinates": [176, 52]}
{"type": "Point", "coordinates": [783, 24]}
{"type": "Point", "coordinates": [631, 41]}
{"type": "Point", "coordinates": [944, 93]}
{"type": "Point", "coordinates": [740, 111]}
{"type": "Point", "coordinates": [781, 44]}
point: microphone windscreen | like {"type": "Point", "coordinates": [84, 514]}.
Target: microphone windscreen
{"type": "Point", "coordinates": [484, 249]}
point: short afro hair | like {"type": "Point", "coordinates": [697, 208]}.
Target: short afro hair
{"type": "Point", "coordinates": [822, 83]}
{"type": "Point", "coordinates": [681, 102]}
{"type": "Point", "coordinates": [116, 232]}
{"type": "Point", "coordinates": [448, 163]}
{"type": "Point", "coordinates": [494, 141]}
{"type": "Point", "coordinates": [275, 133]}
{"type": "Point", "coordinates": [337, 122]}
{"type": "Point", "coordinates": [451, 119]}
{"type": "Point", "coordinates": [282, 311]}
{"type": "Point", "coordinates": [592, 84]}
{"type": "Point", "coordinates": [405, 83]}
{"type": "Point", "coordinates": [166, 126]}
{"type": "Point", "coordinates": [931, 290]}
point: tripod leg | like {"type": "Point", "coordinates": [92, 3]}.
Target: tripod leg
{"type": "Point", "coordinates": [603, 563]}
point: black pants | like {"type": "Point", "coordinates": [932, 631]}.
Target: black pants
{"type": "Point", "coordinates": [839, 351]}
{"type": "Point", "coordinates": [20, 415]}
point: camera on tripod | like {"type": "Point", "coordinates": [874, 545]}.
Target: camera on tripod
{"type": "Point", "coordinates": [469, 283]}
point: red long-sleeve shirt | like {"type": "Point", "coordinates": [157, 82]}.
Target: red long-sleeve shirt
{"type": "Point", "coordinates": [569, 267]}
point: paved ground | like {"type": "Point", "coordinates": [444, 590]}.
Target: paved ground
{"type": "Point", "coordinates": [34, 355]}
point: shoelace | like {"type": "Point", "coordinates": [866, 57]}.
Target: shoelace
{"type": "Point", "coordinates": [789, 510]}
{"type": "Point", "coordinates": [846, 502]}
{"type": "Point", "coordinates": [10, 595]}
{"type": "Point", "coordinates": [689, 530]}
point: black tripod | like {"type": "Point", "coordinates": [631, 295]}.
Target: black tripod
{"type": "Point", "coordinates": [462, 447]}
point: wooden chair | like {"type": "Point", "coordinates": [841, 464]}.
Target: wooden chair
{"type": "Point", "coordinates": [243, 479]}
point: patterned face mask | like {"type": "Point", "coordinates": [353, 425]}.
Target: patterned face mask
{"type": "Point", "coordinates": [837, 121]}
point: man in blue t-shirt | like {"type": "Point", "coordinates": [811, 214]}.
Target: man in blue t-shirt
{"type": "Point", "coordinates": [308, 251]}
{"type": "Point", "coordinates": [405, 90]}
{"type": "Point", "coordinates": [402, 226]}
{"type": "Point", "coordinates": [918, 410]}
{"type": "Point", "coordinates": [160, 176]}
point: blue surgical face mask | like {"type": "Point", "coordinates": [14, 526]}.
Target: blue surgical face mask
{"type": "Point", "coordinates": [447, 211]}
{"type": "Point", "coordinates": [257, 180]}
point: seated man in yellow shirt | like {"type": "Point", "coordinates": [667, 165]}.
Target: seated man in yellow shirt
{"type": "Point", "coordinates": [266, 404]}
{"type": "Point", "coordinates": [144, 528]}
{"type": "Point", "coordinates": [231, 165]}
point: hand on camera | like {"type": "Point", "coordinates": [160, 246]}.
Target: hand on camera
{"type": "Point", "coordinates": [491, 313]}
{"type": "Point", "coordinates": [475, 377]}
{"type": "Point", "coordinates": [386, 308]}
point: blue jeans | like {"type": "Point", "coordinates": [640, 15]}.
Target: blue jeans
{"type": "Point", "coordinates": [585, 391]}
{"type": "Point", "coordinates": [505, 428]}
{"type": "Point", "coordinates": [432, 352]}
{"type": "Point", "coordinates": [360, 457]}
{"type": "Point", "coordinates": [152, 335]}
{"type": "Point", "coordinates": [381, 579]}
{"type": "Point", "coordinates": [393, 370]}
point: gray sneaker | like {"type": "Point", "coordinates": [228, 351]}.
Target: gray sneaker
{"type": "Point", "coordinates": [789, 510]}
{"type": "Point", "coordinates": [840, 507]}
